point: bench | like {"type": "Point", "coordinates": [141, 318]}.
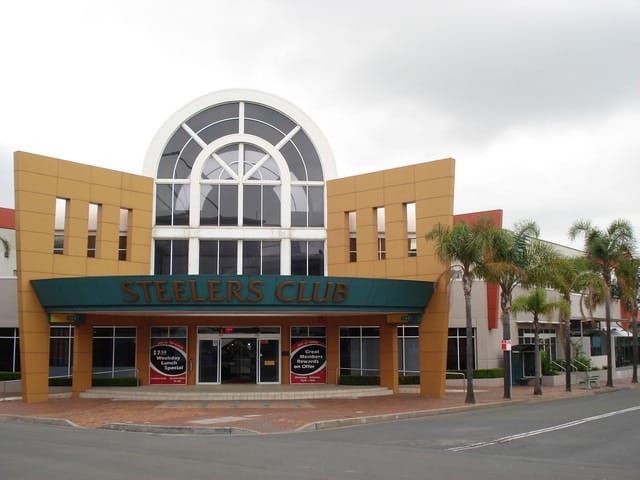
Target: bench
{"type": "Point", "coordinates": [590, 381]}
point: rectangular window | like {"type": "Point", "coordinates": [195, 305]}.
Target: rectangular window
{"type": "Point", "coordinates": [408, 350]}
{"type": "Point", "coordinates": [546, 336]}
{"type": "Point", "coordinates": [171, 257]}
{"type": "Point", "coordinates": [457, 349]}
{"type": "Point", "coordinates": [307, 257]}
{"type": "Point", "coordinates": [380, 220]}
{"type": "Point", "coordinates": [218, 257]}
{"type": "Point", "coordinates": [9, 350]}
{"type": "Point", "coordinates": [60, 225]}
{"type": "Point", "coordinates": [170, 341]}
{"type": "Point", "coordinates": [114, 352]}
{"type": "Point", "coordinates": [123, 239]}
{"type": "Point", "coordinates": [261, 257]}
{"type": "Point", "coordinates": [410, 216]}
{"type": "Point", "coordinates": [353, 246]}
{"type": "Point", "coordinates": [60, 351]}
{"type": "Point", "coordinates": [359, 351]}
{"type": "Point", "coordinates": [94, 221]}
{"type": "Point", "coordinates": [172, 204]}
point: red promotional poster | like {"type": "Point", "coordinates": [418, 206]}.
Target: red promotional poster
{"type": "Point", "coordinates": [168, 362]}
{"type": "Point", "coordinates": [309, 361]}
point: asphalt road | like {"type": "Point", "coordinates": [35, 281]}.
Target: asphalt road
{"type": "Point", "coordinates": [595, 437]}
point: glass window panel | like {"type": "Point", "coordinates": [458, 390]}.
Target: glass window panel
{"type": "Point", "coordinates": [349, 331]}
{"type": "Point", "coordinates": [103, 331]}
{"type": "Point", "coordinates": [316, 206]}
{"type": "Point", "coordinates": [370, 332]}
{"type": "Point", "coordinates": [299, 206]}
{"type": "Point", "coordinates": [171, 153]}
{"type": "Point", "coordinates": [316, 258]}
{"type": "Point", "coordinates": [219, 130]}
{"type": "Point", "coordinates": [262, 130]}
{"type": "Point", "coordinates": [228, 205]}
{"type": "Point", "coordinates": [251, 258]}
{"type": "Point", "coordinates": [126, 332]}
{"type": "Point", "coordinates": [213, 115]}
{"type": "Point", "coordinates": [159, 332]}
{"type": "Point", "coordinates": [268, 116]}
{"type": "Point", "coordinates": [294, 162]}
{"type": "Point", "coordinates": [181, 205]}
{"type": "Point", "coordinates": [187, 158]}
{"type": "Point", "coordinates": [102, 354]}
{"type": "Point", "coordinates": [124, 357]}
{"type": "Point", "coordinates": [178, 332]}
{"type": "Point", "coordinates": [317, 331]}
{"type": "Point", "coordinates": [269, 171]}
{"type": "Point", "coordinates": [271, 205]}
{"type": "Point", "coordinates": [162, 261]}
{"type": "Point", "coordinates": [163, 204]}
{"type": "Point", "coordinates": [208, 329]}
{"type": "Point", "coordinates": [209, 204]}
{"type": "Point", "coordinates": [350, 363]}
{"type": "Point", "coordinates": [269, 360]}
{"type": "Point", "coordinates": [411, 354]}
{"type": "Point", "coordinates": [298, 258]}
{"type": "Point", "coordinates": [180, 257]}
{"type": "Point", "coordinates": [7, 332]}
{"type": "Point", "coordinates": [228, 258]}
{"type": "Point", "coordinates": [230, 156]}
{"type": "Point", "coordinates": [309, 154]}
{"type": "Point", "coordinates": [271, 257]}
{"type": "Point", "coordinates": [208, 361]}
{"type": "Point", "coordinates": [6, 354]}
{"type": "Point", "coordinates": [208, 257]}
{"type": "Point", "coordinates": [370, 356]}
{"type": "Point", "coordinates": [252, 205]}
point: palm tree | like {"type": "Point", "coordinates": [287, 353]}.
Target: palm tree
{"type": "Point", "coordinates": [569, 275]}
{"type": "Point", "coordinates": [605, 249]}
{"type": "Point", "coordinates": [463, 247]}
{"type": "Point", "coordinates": [536, 303]}
{"type": "Point", "coordinates": [516, 258]}
{"type": "Point", "coordinates": [628, 277]}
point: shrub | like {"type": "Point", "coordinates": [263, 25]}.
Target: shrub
{"type": "Point", "coordinates": [60, 382]}
{"type": "Point", "coordinates": [409, 379]}
{"type": "Point", "coordinates": [114, 382]}
{"type": "Point", "coordinates": [9, 376]}
{"type": "Point", "coordinates": [359, 380]}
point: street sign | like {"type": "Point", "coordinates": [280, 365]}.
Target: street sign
{"type": "Point", "coordinates": [506, 345]}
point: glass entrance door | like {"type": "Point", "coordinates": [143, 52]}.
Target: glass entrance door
{"type": "Point", "coordinates": [238, 360]}
{"type": "Point", "coordinates": [208, 359]}
{"type": "Point", "coordinates": [269, 361]}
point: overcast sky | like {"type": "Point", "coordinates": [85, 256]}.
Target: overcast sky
{"type": "Point", "coordinates": [538, 101]}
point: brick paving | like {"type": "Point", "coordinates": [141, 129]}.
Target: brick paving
{"type": "Point", "coordinates": [272, 416]}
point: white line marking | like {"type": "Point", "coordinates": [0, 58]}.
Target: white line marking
{"type": "Point", "coordinates": [540, 431]}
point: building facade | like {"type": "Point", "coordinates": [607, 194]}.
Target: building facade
{"type": "Point", "coordinates": [236, 257]}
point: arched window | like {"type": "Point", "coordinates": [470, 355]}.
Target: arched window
{"type": "Point", "coordinates": [247, 170]}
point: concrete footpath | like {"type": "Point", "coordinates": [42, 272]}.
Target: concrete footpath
{"type": "Point", "coordinates": [269, 416]}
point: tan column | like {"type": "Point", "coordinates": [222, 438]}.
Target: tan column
{"type": "Point", "coordinates": [333, 352]}
{"type": "Point", "coordinates": [34, 356]}
{"type": "Point", "coordinates": [433, 345]}
{"type": "Point", "coordinates": [389, 357]}
{"type": "Point", "coordinates": [142, 352]}
{"type": "Point", "coordinates": [82, 358]}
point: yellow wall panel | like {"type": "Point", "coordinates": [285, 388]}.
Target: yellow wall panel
{"type": "Point", "coordinates": [34, 182]}
{"type": "Point", "coordinates": [30, 162]}
{"type": "Point", "coordinates": [106, 177]}
{"type": "Point", "coordinates": [399, 176]}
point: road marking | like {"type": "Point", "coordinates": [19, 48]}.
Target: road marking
{"type": "Point", "coordinates": [518, 436]}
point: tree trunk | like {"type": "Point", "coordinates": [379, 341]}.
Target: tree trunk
{"type": "Point", "coordinates": [634, 343]}
{"type": "Point", "coordinates": [537, 385]}
{"type": "Point", "coordinates": [506, 335]}
{"type": "Point", "coordinates": [607, 316]}
{"type": "Point", "coordinates": [470, 398]}
{"type": "Point", "coordinates": [567, 356]}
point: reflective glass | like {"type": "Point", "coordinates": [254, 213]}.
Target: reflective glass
{"type": "Point", "coordinates": [268, 116]}
{"type": "Point", "coordinates": [228, 257]}
{"type": "Point", "coordinates": [316, 258]}
{"type": "Point", "coordinates": [316, 206]}
{"type": "Point", "coordinates": [180, 257]}
{"type": "Point", "coordinates": [169, 158]}
{"type": "Point", "coordinates": [164, 194]}
{"type": "Point", "coordinates": [228, 206]}
{"type": "Point", "coordinates": [251, 257]}
{"type": "Point", "coordinates": [294, 161]}
{"type": "Point", "coordinates": [162, 260]}
{"type": "Point", "coordinates": [252, 204]}
{"type": "Point", "coordinates": [208, 257]}
{"type": "Point", "coordinates": [213, 115]}
{"type": "Point", "coordinates": [309, 155]}
{"type": "Point", "coordinates": [271, 206]}
{"type": "Point", "coordinates": [270, 257]}
{"type": "Point", "coordinates": [262, 130]}
{"type": "Point", "coordinates": [298, 206]}
{"type": "Point", "coordinates": [298, 258]}
{"type": "Point", "coordinates": [186, 159]}
{"type": "Point", "coordinates": [181, 205]}
{"type": "Point", "coordinates": [218, 130]}
{"type": "Point", "coordinates": [209, 204]}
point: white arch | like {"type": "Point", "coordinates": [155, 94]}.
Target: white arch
{"type": "Point", "coordinates": [174, 122]}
